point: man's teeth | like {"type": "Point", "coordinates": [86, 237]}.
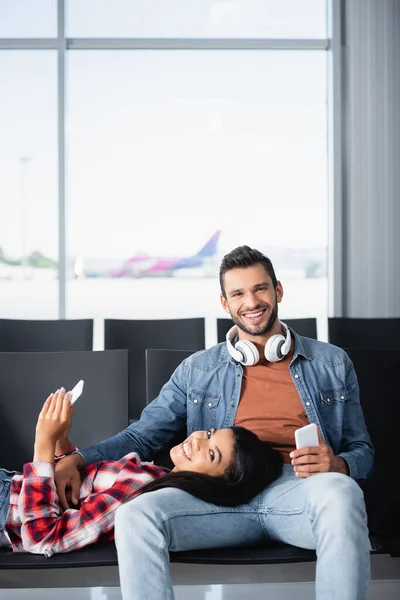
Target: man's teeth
{"type": "Point", "coordinates": [254, 315]}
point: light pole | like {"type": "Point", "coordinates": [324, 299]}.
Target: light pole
{"type": "Point", "coordinates": [23, 161]}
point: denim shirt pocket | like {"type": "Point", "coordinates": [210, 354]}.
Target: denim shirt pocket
{"type": "Point", "coordinates": [332, 404]}
{"type": "Point", "coordinates": [202, 409]}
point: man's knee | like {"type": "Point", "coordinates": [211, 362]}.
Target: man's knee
{"type": "Point", "coordinates": [339, 495]}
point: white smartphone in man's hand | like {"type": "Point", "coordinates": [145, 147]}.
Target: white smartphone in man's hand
{"type": "Point", "coordinates": [306, 436]}
{"type": "Point", "coordinates": [76, 391]}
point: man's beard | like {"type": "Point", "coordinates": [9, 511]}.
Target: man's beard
{"type": "Point", "coordinates": [263, 328]}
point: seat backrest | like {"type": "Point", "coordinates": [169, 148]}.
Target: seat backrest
{"type": "Point", "coordinates": [377, 374]}
{"type": "Point", "coordinates": [46, 336]}
{"type": "Point", "coordinates": [26, 379]}
{"type": "Point", "coordinates": [136, 336]}
{"type": "Point", "coordinates": [306, 327]}
{"type": "Point", "coordinates": [364, 333]}
{"type": "Point", "coordinates": [160, 365]}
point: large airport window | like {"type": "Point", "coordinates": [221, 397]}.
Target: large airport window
{"type": "Point", "coordinates": [175, 158]}
{"type": "Point", "coordinates": [197, 18]}
{"type": "Point", "coordinates": [28, 185]}
{"type": "Point", "coordinates": [28, 18]}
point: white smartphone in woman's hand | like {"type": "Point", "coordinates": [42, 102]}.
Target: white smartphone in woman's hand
{"type": "Point", "coordinates": [306, 436]}
{"type": "Point", "coordinates": [76, 391]}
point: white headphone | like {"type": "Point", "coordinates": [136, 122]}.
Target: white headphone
{"type": "Point", "coordinates": [246, 353]}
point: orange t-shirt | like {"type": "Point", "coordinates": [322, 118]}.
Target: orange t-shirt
{"type": "Point", "coordinates": [270, 405]}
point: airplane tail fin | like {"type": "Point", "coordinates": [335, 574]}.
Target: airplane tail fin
{"type": "Point", "coordinates": [210, 248]}
{"type": "Point", "coordinates": [196, 260]}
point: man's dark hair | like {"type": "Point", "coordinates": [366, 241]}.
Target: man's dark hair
{"type": "Point", "coordinates": [241, 258]}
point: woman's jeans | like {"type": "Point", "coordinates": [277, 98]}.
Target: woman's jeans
{"type": "Point", "coordinates": [5, 485]}
{"type": "Point", "coordinates": [325, 512]}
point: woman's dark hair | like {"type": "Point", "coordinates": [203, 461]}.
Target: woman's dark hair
{"type": "Point", "coordinates": [243, 257]}
{"type": "Point", "coordinates": [255, 464]}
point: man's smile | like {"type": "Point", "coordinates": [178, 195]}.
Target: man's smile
{"type": "Point", "coordinates": [255, 316]}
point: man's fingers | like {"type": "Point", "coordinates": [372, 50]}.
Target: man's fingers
{"type": "Point", "coordinates": [305, 451]}
{"type": "Point", "coordinates": [62, 496]}
{"type": "Point", "coordinates": [313, 469]}
{"type": "Point", "coordinates": [75, 489]}
{"type": "Point", "coordinates": [306, 459]}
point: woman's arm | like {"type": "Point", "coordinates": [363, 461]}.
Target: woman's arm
{"type": "Point", "coordinates": [63, 447]}
{"type": "Point", "coordinates": [52, 428]}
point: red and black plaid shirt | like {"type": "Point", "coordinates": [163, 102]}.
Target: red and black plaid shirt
{"type": "Point", "coordinates": [36, 522]}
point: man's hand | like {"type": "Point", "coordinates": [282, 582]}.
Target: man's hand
{"type": "Point", "coordinates": [67, 475]}
{"type": "Point", "coordinates": [317, 459]}
{"type": "Point", "coordinates": [53, 421]}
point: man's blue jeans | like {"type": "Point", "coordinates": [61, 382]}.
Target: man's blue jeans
{"type": "Point", "coordinates": [5, 485]}
{"type": "Point", "coordinates": [325, 512]}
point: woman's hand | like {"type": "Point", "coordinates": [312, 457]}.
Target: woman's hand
{"type": "Point", "coordinates": [54, 423]}
{"type": "Point", "coordinates": [63, 445]}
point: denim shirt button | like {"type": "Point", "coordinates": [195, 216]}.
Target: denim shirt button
{"type": "Point", "coordinates": [238, 375]}
{"type": "Point", "coordinates": [195, 401]}
{"type": "Point", "coordinates": [308, 403]}
{"type": "Point", "coordinates": [342, 397]}
{"type": "Point", "coordinates": [328, 400]}
{"type": "Point", "coordinates": [209, 404]}
{"type": "Point", "coordinates": [232, 405]}
{"type": "Point", "coordinates": [296, 376]}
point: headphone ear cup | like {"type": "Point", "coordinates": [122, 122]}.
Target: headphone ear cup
{"type": "Point", "coordinates": [273, 348]}
{"type": "Point", "coordinates": [236, 354]}
{"type": "Point", "coordinates": [244, 352]}
{"type": "Point", "coordinates": [249, 352]}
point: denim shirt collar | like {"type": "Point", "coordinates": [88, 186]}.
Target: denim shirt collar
{"type": "Point", "coordinates": [301, 347]}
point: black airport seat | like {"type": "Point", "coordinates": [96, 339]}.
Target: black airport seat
{"type": "Point", "coordinates": [27, 378]}
{"type": "Point", "coordinates": [378, 374]}
{"type": "Point", "coordinates": [104, 555]}
{"type": "Point", "coordinates": [378, 384]}
{"type": "Point", "coordinates": [46, 336]}
{"type": "Point", "coordinates": [376, 334]}
{"type": "Point", "coordinates": [137, 335]}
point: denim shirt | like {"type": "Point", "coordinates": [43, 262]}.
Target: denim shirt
{"type": "Point", "coordinates": [204, 392]}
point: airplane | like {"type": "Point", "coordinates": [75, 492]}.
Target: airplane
{"type": "Point", "coordinates": [144, 265]}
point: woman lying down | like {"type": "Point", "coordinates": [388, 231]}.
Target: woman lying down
{"type": "Point", "coordinates": [224, 466]}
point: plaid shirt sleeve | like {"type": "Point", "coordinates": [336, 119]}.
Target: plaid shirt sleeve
{"type": "Point", "coordinates": [45, 529]}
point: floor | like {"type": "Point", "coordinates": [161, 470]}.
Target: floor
{"type": "Point", "coordinates": [380, 590]}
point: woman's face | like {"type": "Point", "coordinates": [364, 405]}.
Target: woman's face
{"type": "Point", "coordinates": [208, 452]}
